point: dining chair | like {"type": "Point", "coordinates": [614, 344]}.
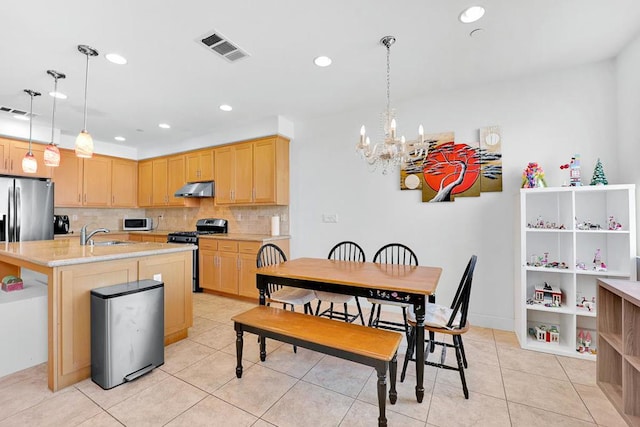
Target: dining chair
{"type": "Point", "coordinates": [343, 251]}
{"type": "Point", "coordinates": [449, 321]}
{"type": "Point", "coordinates": [392, 253]}
{"type": "Point", "coordinates": [270, 254]}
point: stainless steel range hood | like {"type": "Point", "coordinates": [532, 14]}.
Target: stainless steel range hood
{"type": "Point", "coordinates": [196, 189]}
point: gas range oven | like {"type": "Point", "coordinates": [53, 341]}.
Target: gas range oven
{"type": "Point", "coordinates": [203, 227]}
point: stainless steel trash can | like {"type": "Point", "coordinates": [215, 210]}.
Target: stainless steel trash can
{"type": "Point", "coordinates": [127, 331]}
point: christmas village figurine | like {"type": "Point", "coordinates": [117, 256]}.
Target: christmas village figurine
{"type": "Point", "coordinates": [584, 343]}
{"type": "Point", "coordinates": [585, 303]}
{"type": "Point", "coordinates": [533, 176]}
{"type": "Point", "coordinates": [548, 295]}
{"type": "Point", "coordinates": [543, 333]}
{"type": "Point", "coordinates": [574, 171]}
{"type": "Point", "coordinates": [540, 223]}
{"type": "Point", "coordinates": [598, 175]}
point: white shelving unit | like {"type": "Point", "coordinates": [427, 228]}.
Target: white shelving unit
{"type": "Point", "coordinates": [562, 209]}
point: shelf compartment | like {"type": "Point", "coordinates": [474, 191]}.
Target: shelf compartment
{"type": "Point", "coordinates": [562, 321]}
{"type": "Point", "coordinates": [610, 307]}
{"type": "Point", "coordinates": [631, 329]}
{"type": "Point", "coordinates": [596, 204]}
{"type": "Point", "coordinates": [614, 252]}
{"type": "Point", "coordinates": [631, 396]}
{"type": "Point", "coordinates": [557, 246]}
{"type": "Point", "coordinates": [610, 375]}
{"type": "Point", "coordinates": [549, 206]}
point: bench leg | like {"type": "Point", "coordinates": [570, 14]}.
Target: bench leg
{"type": "Point", "coordinates": [393, 371]}
{"type": "Point", "coordinates": [382, 395]}
{"type": "Point", "coordinates": [239, 350]}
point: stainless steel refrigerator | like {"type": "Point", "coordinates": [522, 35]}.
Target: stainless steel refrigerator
{"type": "Point", "coordinates": [26, 209]}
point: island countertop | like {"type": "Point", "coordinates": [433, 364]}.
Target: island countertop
{"type": "Point", "coordinates": [57, 253]}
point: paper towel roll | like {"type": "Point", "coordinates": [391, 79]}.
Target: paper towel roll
{"type": "Point", "coordinates": [275, 225]}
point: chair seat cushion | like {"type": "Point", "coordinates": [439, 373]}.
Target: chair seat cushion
{"type": "Point", "coordinates": [295, 296]}
{"type": "Point", "coordinates": [384, 301]}
{"type": "Point", "coordinates": [436, 315]}
{"type": "Point", "coordinates": [332, 297]}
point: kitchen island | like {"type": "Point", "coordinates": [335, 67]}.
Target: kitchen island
{"type": "Point", "coordinates": [73, 270]}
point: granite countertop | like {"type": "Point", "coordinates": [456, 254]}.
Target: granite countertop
{"type": "Point", "coordinates": [248, 237]}
{"type": "Point", "coordinates": [57, 253]}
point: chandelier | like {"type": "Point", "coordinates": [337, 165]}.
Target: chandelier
{"type": "Point", "coordinates": [393, 151]}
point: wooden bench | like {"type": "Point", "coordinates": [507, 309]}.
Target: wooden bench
{"type": "Point", "coordinates": [361, 344]}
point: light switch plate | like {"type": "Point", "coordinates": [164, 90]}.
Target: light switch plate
{"type": "Point", "coordinates": [330, 218]}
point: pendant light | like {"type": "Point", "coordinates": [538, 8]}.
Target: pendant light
{"type": "Point", "coordinates": [29, 162]}
{"type": "Point", "coordinates": [84, 142]}
{"type": "Point", "coordinates": [51, 152]}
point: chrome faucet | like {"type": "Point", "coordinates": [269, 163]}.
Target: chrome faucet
{"type": "Point", "coordinates": [84, 238]}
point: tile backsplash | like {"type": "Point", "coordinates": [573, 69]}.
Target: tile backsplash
{"type": "Point", "coordinates": [242, 219]}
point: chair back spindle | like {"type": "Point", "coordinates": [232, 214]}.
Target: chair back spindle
{"type": "Point", "coordinates": [347, 251]}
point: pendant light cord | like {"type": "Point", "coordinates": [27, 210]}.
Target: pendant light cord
{"type": "Point", "coordinates": [30, 122]}
{"type": "Point", "coordinates": [388, 77]}
{"type": "Point", "coordinates": [86, 85]}
{"type": "Point", "coordinates": [53, 115]}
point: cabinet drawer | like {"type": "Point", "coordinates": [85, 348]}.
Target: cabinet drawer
{"type": "Point", "coordinates": [207, 244]}
{"type": "Point", "coordinates": [227, 246]}
{"type": "Point", "coordinates": [249, 247]}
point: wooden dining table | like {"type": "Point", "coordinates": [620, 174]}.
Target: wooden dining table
{"type": "Point", "coordinates": [390, 282]}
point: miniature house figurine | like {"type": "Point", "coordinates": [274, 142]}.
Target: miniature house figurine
{"type": "Point", "coordinates": [548, 294]}
{"type": "Point", "coordinates": [541, 333]}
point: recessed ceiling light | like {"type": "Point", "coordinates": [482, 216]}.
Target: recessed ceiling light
{"type": "Point", "coordinates": [116, 59]}
{"type": "Point", "coordinates": [58, 95]}
{"type": "Point", "coordinates": [120, 138]}
{"type": "Point", "coordinates": [164, 126]}
{"type": "Point", "coordinates": [322, 61]}
{"type": "Point", "coordinates": [471, 14]}
{"type": "Point", "coordinates": [24, 117]}
{"type": "Point", "coordinates": [476, 33]}
{"type": "Point", "coordinates": [225, 107]}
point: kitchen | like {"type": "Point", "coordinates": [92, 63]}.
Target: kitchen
{"type": "Point", "coordinates": [326, 177]}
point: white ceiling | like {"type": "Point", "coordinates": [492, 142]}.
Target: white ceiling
{"type": "Point", "coordinates": [170, 78]}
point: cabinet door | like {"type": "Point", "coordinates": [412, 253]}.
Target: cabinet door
{"type": "Point", "coordinates": [135, 237]}
{"type": "Point", "coordinates": [159, 180]}
{"type": "Point", "coordinates": [264, 171]}
{"type": "Point", "coordinates": [207, 270]}
{"type": "Point", "coordinates": [227, 277]}
{"type": "Point", "coordinates": [247, 275]}
{"type": "Point", "coordinates": [5, 145]}
{"type": "Point", "coordinates": [124, 175]}
{"type": "Point", "coordinates": [145, 183]}
{"type": "Point", "coordinates": [224, 171]}
{"type": "Point", "coordinates": [243, 191]}
{"type": "Point", "coordinates": [96, 186]}
{"type": "Point", "coordinates": [206, 165]}
{"type": "Point", "coordinates": [68, 180]}
{"type": "Point", "coordinates": [17, 152]}
{"type": "Point", "coordinates": [175, 179]}
{"type": "Point", "coordinates": [193, 167]}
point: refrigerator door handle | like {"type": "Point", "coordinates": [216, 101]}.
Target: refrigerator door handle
{"type": "Point", "coordinates": [10, 216]}
{"type": "Point", "coordinates": [18, 211]}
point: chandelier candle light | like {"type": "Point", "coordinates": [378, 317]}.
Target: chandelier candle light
{"type": "Point", "coordinates": [392, 151]}
{"type": "Point", "coordinates": [29, 162]}
{"type": "Point", "coordinates": [84, 142]}
{"type": "Point", "coordinates": [51, 152]}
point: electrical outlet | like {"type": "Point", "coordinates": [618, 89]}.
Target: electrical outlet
{"type": "Point", "coordinates": [157, 277]}
{"type": "Point", "coordinates": [330, 218]}
{"type": "Point", "coordinates": [74, 217]}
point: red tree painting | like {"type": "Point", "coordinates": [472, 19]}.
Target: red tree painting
{"type": "Point", "coordinates": [452, 169]}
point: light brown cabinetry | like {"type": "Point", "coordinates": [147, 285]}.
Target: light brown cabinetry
{"type": "Point", "coordinates": [229, 266]}
{"type": "Point", "coordinates": [100, 181]}
{"type": "Point", "coordinates": [124, 178]}
{"type": "Point", "coordinates": [200, 165]}
{"type": "Point", "coordinates": [618, 362]}
{"type": "Point", "coordinates": [11, 154]}
{"type": "Point", "coordinates": [159, 179]}
{"type": "Point", "coordinates": [157, 238]}
{"type": "Point", "coordinates": [253, 172]}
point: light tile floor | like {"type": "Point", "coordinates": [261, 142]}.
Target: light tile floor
{"type": "Point", "coordinates": [197, 387]}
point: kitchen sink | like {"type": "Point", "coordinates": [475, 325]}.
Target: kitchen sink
{"type": "Point", "coordinates": [111, 242]}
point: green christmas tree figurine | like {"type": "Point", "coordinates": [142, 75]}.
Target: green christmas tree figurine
{"type": "Point", "coordinates": [598, 175]}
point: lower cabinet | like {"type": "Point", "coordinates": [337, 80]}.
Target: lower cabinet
{"type": "Point", "coordinates": [157, 238]}
{"type": "Point", "coordinates": [229, 266]}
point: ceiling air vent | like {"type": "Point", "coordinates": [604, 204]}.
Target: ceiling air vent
{"type": "Point", "coordinates": [15, 111]}
{"type": "Point", "coordinates": [215, 42]}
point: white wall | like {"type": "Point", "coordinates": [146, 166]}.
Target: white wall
{"type": "Point", "coordinates": [628, 109]}
{"type": "Point", "coordinates": [546, 118]}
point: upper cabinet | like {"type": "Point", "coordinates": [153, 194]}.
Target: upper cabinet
{"type": "Point", "coordinates": [11, 154]}
{"type": "Point", "coordinates": [254, 172]}
{"type": "Point", "coordinates": [199, 165]}
{"type": "Point", "coordinates": [100, 181]}
{"type": "Point", "coordinates": [159, 179]}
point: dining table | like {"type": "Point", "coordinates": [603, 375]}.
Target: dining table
{"type": "Point", "coordinates": [390, 282]}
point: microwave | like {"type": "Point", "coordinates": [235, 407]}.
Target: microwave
{"type": "Point", "coordinates": [137, 224]}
